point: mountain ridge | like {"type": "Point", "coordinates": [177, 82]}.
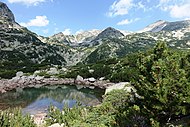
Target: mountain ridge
{"type": "Point", "coordinates": [86, 46]}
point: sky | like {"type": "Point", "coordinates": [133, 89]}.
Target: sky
{"type": "Point", "coordinates": [48, 17]}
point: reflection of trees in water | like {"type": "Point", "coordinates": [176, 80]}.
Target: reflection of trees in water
{"type": "Point", "coordinates": [20, 98]}
{"type": "Point", "coordinates": [26, 96]}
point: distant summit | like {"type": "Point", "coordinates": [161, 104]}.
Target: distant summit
{"type": "Point", "coordinates": [110, 33]}
{"type": "Point", "coordinates": [6, 13]}
{"type": "Point", "coordinates": [161, 25]}
{"type": "Point", "coordinates": [7, 19]}
{"type": "Point", "coordinates": [155, 27]}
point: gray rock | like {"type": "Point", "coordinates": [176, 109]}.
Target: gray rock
{"type": "Point", "coordinates": [63, 69]}
{"type": "Point", "coordinates": [14, 79]}
{"type": "Point", "coordinates": [22, 80]}
{"type": "Point", "coordinates": [118, 86]}
{"type": "Point", "coordinates": [38, 78]}
{"type": "Point", "coordinates": [57, 125]}
{"type": "Point", "coordinates": [92, 79]}
{"type": "Point", "coordinates": [37, 72]}
{"type": "Point", "coordinates": [102, 78]}
{"type": "Point", "coordinates": [79, 78]}
{"type": "Point", "coordinates": [6, 13]}
{"type": "Point", "coordinates": [31, 77]}
{"type": "Point", "coordinates": [19, 74]}
{"type": "Point", "coordinates": [53, 71]}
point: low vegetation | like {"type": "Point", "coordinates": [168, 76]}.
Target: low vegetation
{"type": "Point", "coordinates": [14, 118]}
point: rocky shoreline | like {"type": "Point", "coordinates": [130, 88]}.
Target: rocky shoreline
{"type": "Point", "coordinates": [21, 81]}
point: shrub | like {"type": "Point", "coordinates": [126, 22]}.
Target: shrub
{"type": "Point", "coordinates": [14, 118]}
{"type": "Point", "coordinates": [163, 83]}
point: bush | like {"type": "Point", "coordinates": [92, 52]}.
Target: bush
{"type": "Point", "coordinates": [117, 110]}
{"type": "Point", "coordinates": [124, 75]}
{"type": "Point", "coordinates": [14, 118]}
{"type": "Point", "coordinates": [163, 83]}
{"type": "Point", "coordinates": [7, 74]}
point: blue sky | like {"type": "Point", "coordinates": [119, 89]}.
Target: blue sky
{"type": "Point", "coordinates": [47, 17]}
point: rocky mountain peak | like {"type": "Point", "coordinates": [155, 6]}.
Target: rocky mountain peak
{"type": "Point", "coordinates": [6, 13]}
{"type": "Point", "coordinates": [110, 33]}
{"type": "Point", "coordinates": [155, 27]}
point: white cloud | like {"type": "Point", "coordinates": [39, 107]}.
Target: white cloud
{"type": "Point", "coordinates": [126, 21]}
{"type": "Point", "coordinates": [180, 11]}
{"type": "Point", "coordinates": [140, 5]}
{"type": "Point", "coordinates": [39, 21]}
{"type": "Point", "coordinates": [67, 31]}
{"type": "Point", "coordinates": [28, 2]}
{"type": "Point", "coordinates": [120, 7]}
{"type": "Point", "coordinates": [176, 8]}
{"type": "Point", "coordinates": [164, 1]}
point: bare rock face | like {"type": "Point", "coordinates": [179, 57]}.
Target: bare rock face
{"type": "Point", "coordinates": [6, 13]}
{"type": "Point", "coordinates": [7, 19]}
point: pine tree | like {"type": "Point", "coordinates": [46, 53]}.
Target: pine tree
{"type": "Point", "coordinates": [163, 84]}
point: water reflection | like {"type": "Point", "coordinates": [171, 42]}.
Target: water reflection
{"type": "Point", "coordinates": [34, 100]}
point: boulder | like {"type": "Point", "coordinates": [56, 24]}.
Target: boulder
{"type": "Point", "coordinates": [53, 71]}
{"type": "Point", "coordinates": [22, 80]}
{"type": "Point", "coordinates": [37, 72]}
{"type": "Point", "coordinates": [118, 86]}
{"type": "Point", "coordinates": [92, 79]}
{"type": "Point", "coordinates": [57, 125]}
{"type": "Point", "coordinates": [64, 69]}
{"type": "Point", "coordinates": [19, 74]}
{"type": "Point", "coordinates": [31, 77]}
{"type": "Point", "coordinates": [79, 78]}
{"type": "Point", "coordinates": [38, 78]}
{"type": "Point", "coordinates": [102, 78]}
{"type": "Point", "coordinates": [14, 79]}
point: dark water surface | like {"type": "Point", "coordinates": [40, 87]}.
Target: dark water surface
{"type": "Point", "coordinates": [37, 100]}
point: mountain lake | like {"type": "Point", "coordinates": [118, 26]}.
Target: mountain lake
{"type": "Point", "coordinates": [37, 100]}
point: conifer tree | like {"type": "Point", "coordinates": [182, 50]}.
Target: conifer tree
{"type": "Point", "coordinates": [163, 84]}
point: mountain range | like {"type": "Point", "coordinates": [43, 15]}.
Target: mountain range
{"type": "Point", "coordinates": [20, 45]}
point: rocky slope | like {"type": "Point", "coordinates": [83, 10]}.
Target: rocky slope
{"type": "Point", "coordinates": [18, 44]}
{"type": "Point", "coordinates": [167, 26]}
{"type": "Point", "coordinates": [71, 40]}
{"type": "Point", "coordinates": [7, 19]}
{"type": "Point", "coordinates": [113, 43]}
{"type": "Point", "coordinates": [21, 45]}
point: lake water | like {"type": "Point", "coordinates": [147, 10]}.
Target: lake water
{"type": "Point", "coordinates": [37, 100]}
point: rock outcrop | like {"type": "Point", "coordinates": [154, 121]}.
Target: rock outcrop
{"type": "Point", "coordinates": [38, 81]}
{"type": "Point", "coordinates": [6, 13]}
{"type": "Point", "coordinates": [7, 19]}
